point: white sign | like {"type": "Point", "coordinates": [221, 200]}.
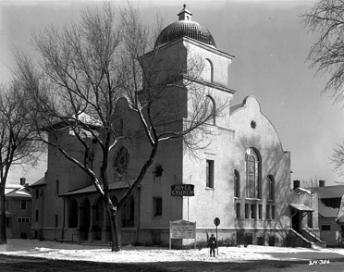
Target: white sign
{"type": "Point", "coordinates": [182, 229]}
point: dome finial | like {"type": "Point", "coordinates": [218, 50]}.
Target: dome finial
{"type": "Point", "coordinates": [184, 14]}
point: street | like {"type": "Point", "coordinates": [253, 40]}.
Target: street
{"type": "Point", "coordinates": [18, 264]}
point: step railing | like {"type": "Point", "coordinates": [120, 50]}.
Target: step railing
{"type": "Point", "coordinates": [310, 235]}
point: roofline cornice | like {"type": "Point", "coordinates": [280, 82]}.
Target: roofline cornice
{"type": "Point", "coordinates": [194, 42]}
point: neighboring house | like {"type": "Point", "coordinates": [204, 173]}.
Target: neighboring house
{"type": "Point", "coordinates": [303, 205]}
{"type": "Point", "coordinates": [241, 177]}
{"type": "Point", "coordinates": [331, 229]}
{"type": "Point", "coordinates": [18, 210]}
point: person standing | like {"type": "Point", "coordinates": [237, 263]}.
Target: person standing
{"type": "Point", "coordinates": [212, 245]}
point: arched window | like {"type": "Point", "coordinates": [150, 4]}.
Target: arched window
{"type": "Point", "coordinates": [236, 183]}
{"type": "Point", "coordinates": [270, 187]}
{"type": "Point", "coordinates": [121, 161]}
{"type": "Point", "coordinates": [211, 109]}
{"type": "Point", "coordinates": [253, 184]}
{"type": "Point", "coordinates": [208, 71]}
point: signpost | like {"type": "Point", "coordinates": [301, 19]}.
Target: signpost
{"type": "Point", "coordinates": [183, 190]}
{"type": "Point", "coordinates": [217, 222]}
{"type": "Point", "coordinates": [182, 229]}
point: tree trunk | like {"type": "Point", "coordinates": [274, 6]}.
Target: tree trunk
{"type": "Point", "coordinates": [115, 231]}
{"type": "Point", "coordinates": [3, 237]}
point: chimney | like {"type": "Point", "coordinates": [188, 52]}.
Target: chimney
{"type": "Point", "coordinates": [22, 181]}
{"type": "Point", "coordinates": [296, 184]}
{"type": "Point", "coordinates": [321, 183]}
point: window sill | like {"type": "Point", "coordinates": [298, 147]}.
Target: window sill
{"type": "Point", "coordinates": [209, 188]}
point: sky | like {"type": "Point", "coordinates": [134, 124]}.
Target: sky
{"type": "Point", "coordinates": [270, 44]}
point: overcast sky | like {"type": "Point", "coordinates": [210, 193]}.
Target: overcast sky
{"type": "Point", "coordinates": [270, 45]}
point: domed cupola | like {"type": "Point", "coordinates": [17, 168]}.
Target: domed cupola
{"type": "Point", "coordinates": [185, 27]}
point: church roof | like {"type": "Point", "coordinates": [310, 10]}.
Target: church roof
{"type": "Point", "coordinates": [185, 27]}
{"type": "Point", "coordinates": [92, 189]}
{"type": "Point", "coordinates": [39, 182]}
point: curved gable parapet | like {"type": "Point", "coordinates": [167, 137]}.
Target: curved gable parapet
{"type": "Point", "coordinates": [247, 120]}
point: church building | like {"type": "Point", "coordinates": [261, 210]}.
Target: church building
{"type": "Point", "coordinates": [241, 176]}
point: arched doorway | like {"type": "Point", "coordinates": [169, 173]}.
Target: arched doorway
{"type": "Point", "coordinates": [72, 213]}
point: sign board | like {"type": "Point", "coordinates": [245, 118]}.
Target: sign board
{"type": "Point", "coordinates": [182, 190]}
{"type": "Point", "coordinates": [182, 229]}
{"type": "Point", "coordinates": [216, 221]}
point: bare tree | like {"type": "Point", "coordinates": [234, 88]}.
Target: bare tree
{"type": "Point", "coordinates": [17, 140]}
{"type": "Point", "coordinates": [310, 183]}
{"type": "Point", "coordinates": [85, 70]}
{"type": "Point", "coordinates": [327, 53]}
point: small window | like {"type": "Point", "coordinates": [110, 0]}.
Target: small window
{"type": "Point", "coordinates": [27, 220]}
{"type": "Point", "coordinates": [246, 210]}
{"type": "Point", "coordinates": [157, 206]}
{"type": "Point", "coordinates": [19, 219]}
{"type": "Point", "coordinates": [260, 211]}
{"type": "Point", "coordinates": [23, 204]}
{"type": "Point", "coordinates": [272, 211]}
{"type": "Point", "coordinates": [236, 183]}
{"type": "Point", "coordinates": [237, 210]}
{"type": "Point", "coordinates": [36, 215]}
{"type": "Point", "coordinates": [271, 189]}
{"type": "Point", "coordinates": [37, 193]}
{"type": "Point", "coordinates": [326, 227]}
{"type": "Point", "coordinates": [253, 211]}
{"type": "Point", "coordinates": [210, 174]}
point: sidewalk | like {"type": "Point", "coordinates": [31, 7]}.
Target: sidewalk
{"type": "Point", "coordinates": [130, 254]}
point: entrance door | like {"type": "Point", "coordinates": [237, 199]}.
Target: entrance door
{"type": "Point", "coordinates": [85, 219]}
{"type": "Point", "coordinates": [296, 220]}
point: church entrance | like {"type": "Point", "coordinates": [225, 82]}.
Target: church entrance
{"type": "Point", "coordinates": [296, 220]}
{"type": "Point", "coordinates": [84, 219]}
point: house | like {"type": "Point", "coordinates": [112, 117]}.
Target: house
{"type": "Point", "coordinates": [331, 227]}
{"type": "Point", "coordinates": [303, 205]}
{"type": "Point", "coordinates": [18, 210]}
{"type": "Point", "coordinates": [242, 176]}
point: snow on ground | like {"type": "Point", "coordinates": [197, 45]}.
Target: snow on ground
{"type": "Point", "coordinates": [130, 254]}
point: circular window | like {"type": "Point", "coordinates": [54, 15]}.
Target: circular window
{"type": "Point", "coordinates": [253, 124]}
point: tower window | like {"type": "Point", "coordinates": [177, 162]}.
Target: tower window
{"type": "Point", "coordinates": [57, 186]}
{"type": "Point", "coordinates": [210, 106]}
{"type": "Point", "coordinates": [208, 71]}
{"type": "Point", "coordinates": [36, 215]}
{"type": "Point", "coordinates": [210, 174]}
